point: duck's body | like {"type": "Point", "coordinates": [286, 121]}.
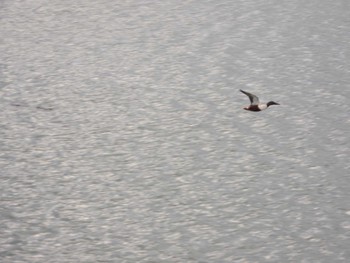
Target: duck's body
{"type": "Point", "coordinates": [255, 105]}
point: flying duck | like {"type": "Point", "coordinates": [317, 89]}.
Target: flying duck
{"type": "Point", "coordinates": [255, 105]}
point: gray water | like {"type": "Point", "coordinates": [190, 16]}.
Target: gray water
{"type": "Point", "coordinates": [123, 137]}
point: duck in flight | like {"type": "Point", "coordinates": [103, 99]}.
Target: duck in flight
{"type": "Point", "coordinates": [255, 105]}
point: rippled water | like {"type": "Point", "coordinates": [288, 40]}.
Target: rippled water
{"type": "Point", "coordinates": [123, 137]}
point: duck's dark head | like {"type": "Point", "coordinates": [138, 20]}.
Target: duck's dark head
{"type": "Point", "coordinates": [272, 103]}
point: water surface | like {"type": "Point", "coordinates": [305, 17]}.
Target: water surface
{"type": "Point", "coordinates": [123, 137]}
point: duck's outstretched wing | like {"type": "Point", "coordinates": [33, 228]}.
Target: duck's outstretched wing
{"type": "Point", "coordinates": [254, 100]}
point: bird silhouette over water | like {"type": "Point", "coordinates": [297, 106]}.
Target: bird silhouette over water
{"type": "Point", "coordinates": [255, 105]}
